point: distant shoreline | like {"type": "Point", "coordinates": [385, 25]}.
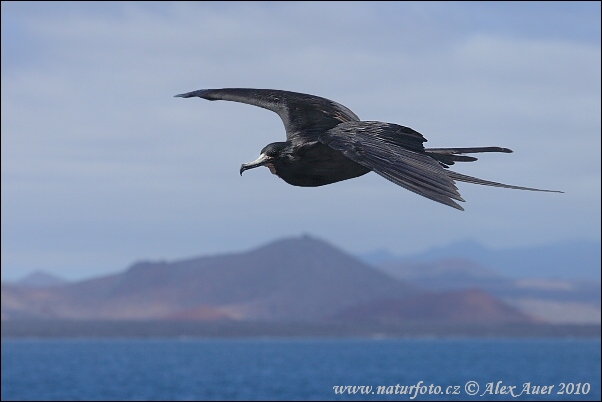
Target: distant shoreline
{"type": "Point", "coordinates": [244, 329]}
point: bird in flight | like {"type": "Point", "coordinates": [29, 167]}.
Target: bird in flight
{"type": "Point", "coordinates": [326, 143]}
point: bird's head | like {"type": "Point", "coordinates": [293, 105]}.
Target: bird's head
{"type": "Point", "coordinates": [268, 155]}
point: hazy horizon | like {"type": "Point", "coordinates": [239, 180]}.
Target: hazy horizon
{"type": "Point", "coordinates": [360, 256]}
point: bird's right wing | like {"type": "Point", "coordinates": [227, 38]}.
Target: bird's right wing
{"type": "Point", "coordinates": [396, 153]}
{"type": "Point", "coordinates": [304, 116]}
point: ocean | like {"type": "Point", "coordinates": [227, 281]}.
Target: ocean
{"type": "Point", "coordinates": [301, 369]}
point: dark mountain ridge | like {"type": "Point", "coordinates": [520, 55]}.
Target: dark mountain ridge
{"type": "Point", "coordinates": [291, 279]}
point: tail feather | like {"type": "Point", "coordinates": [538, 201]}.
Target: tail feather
{"type": "Point", "coordinates": [469, 179]}
{"type": "Point", "coordinates": [473, 150]}
{"type": "Point", "coordinates": [448, 156]}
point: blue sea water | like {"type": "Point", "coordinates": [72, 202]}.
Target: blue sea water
{"type": "Point", "coordinates": [299, 369]}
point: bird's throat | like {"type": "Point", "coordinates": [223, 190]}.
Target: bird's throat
{"type": "Point", "coordinates": [272, 168]}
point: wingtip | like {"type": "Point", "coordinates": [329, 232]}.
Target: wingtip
{"type": "Point", "coordinates": [198, 92]}
{"type": "Point", "coordinates": [455, 205]}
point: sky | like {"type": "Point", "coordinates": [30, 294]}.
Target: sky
{"type": "Point", "coordinates": [101, 166]}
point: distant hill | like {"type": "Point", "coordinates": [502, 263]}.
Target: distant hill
{"type": "Point", "coordinates": [578, 260]}
{"type": "Point", "coordinates": [303, 279]}
{"type": "Point", "coordinates": [40, 279]}
{"type": "Point", "coordinates": [291, 279]}
{"type": "Point", "coordinates": [560, 301]}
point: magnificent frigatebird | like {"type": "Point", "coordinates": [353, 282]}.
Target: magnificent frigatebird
{"type": "Point", "coordinates": [326, 142]}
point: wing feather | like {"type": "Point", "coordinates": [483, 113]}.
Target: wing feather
{"type": "Point", "coordinates": [396, 153]}
{"type": "Point", "coordinates": [305, 117]}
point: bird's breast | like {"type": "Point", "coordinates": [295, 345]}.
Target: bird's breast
{"type": "Point", "coordinates": [318, 166]}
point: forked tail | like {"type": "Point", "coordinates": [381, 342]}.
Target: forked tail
{"type": "Point", "coordinates": [469, 179]}
{"type": "Point", "coordinates": [448, 156]}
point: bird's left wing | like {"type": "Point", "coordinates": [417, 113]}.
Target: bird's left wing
{"type": "Point", "coordinates": [304, 116]}
{"type": "Point", "coordinates": [396, 153]}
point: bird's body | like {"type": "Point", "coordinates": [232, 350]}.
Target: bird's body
{"type": "Point", "coordinates": [314, 164]}
{"type": "Point", "coordinates": [326, 143]}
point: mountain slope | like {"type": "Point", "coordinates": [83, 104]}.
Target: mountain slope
{"type": "Point", "coordinates": [558, 301]}
{"type": "Point", "coordinates": [291, 279]}
{"type": "Point", "coordinates": [464, 306]}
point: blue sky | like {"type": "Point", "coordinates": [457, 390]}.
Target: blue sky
{"type": "Point", "coordinates": [101, 166]}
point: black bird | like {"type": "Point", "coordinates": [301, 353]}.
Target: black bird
{"type": "Point", "coordinates": [326, 142]}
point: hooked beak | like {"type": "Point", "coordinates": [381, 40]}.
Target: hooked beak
{"type": "Point", "coordinates": [262, 160]}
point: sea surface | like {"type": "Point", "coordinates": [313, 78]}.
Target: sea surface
{"type": "Point", "coordinates": [300, 369]}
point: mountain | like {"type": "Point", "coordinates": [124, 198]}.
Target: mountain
{"type": "Point", "coordinates": [302, 280]}
{"type": "Point", "coordinates": [559, 301]}
{"type": "Point", "coordinates": [291, 279]}
{"type": "Point", "coordinates": [567, 260]}
{"type": "Point", "coordinates": [40, 279]}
